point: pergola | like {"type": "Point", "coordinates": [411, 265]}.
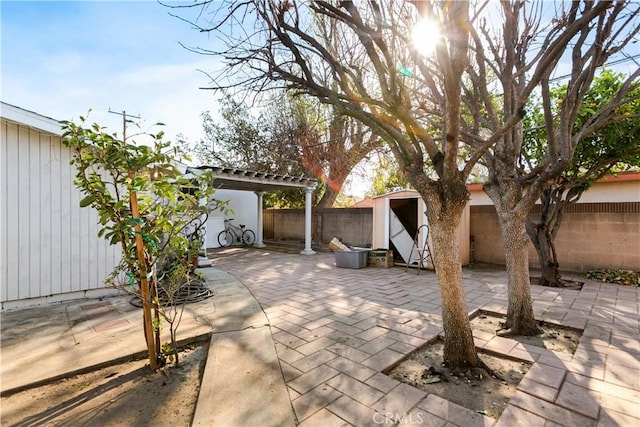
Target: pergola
{"type": "Point", "coordinates": [261, 183]}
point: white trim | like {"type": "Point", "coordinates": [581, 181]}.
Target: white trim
{"type": "Point", "coordinates": [60, 298]}
{"type": "Point", "coordinates": [241, 179]}
{"type": "Point", "coordinates": [307, 222]}
{"type": "Point", "coordinates": [30, 119]}
{"type": "Point", "coordinates": [260, 232]}
{"type": "Point", "coordinates": [387, 222]}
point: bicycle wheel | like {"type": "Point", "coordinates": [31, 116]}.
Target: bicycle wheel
{"type": "Point", "coordinates": [248, 237]}
{"type": "Point", "coordinates": [225, 238]}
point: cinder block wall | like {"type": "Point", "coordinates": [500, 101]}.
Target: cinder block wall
{"type": "Point", "coordinates": [592, 235]}
{"type": "Point", "coordinates": [284, 224]}
{"type": "Point", "coordinates": [353, 226]}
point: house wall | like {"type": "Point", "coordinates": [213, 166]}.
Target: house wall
{"type": "Point", "coordinates": [245, 211]}
{"type": "Point", "coordinates": [50, 249]}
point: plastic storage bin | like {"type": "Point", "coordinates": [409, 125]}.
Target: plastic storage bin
{"type": "Point", "coordinates": [357, 258]}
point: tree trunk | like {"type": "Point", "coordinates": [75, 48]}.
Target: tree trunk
{"type": "Point", "coordinates": [444, 217]}
{"type": "Point", "coordinates": [335, 181]}
{"type": "Point", "coordinates": [328, 197]}
{"type": "Point", "coordinates": [520, 318]}
{"type": "Point", "coordinates": [554, 198]}
{"type": "Point", "coordinates": [540, 236]}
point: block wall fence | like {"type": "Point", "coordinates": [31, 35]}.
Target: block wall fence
{"type": "Point", "coordinates": [354, 226]}
{"type": "Point", "coordinates": [592, 235]}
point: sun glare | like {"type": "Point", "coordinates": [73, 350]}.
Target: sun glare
{"type": "Point", "coordinates": [425, 36]}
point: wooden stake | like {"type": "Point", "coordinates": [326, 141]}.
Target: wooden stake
{"type": "Point", "coordinates": [144, 282]}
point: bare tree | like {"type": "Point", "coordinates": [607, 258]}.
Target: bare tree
{"type": "Point", "coordinates": [437, 113]}
{"type": "Point", "coordinates": [582, 35]}
{"type": "Point", "coordinates": [292, 51]}
{"type": "Point", "coordinates": [293, 136]}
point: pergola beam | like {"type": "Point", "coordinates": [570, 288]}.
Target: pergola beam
{"type": "Point", "coordinates": [260, 183]}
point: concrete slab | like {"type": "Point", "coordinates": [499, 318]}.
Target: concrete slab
{"type": "Point", "coordinates": [242, 383]}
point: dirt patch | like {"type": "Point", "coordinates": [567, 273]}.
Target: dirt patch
{"type": "Point", "coordinates": [487, 393]}
{"type": "Point", "coordinates": [473, 389]}
{"type": "Point", "coordinates": [128, 394]}
{"type": "Point", "coordinates": [566, 283]}
{"type": "Point", "coordinates": [554, 337]}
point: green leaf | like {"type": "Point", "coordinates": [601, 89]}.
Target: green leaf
{"type": "Point", "coordinates": [87, 201]}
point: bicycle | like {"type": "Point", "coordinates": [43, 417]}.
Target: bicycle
{"type": "Point", "coordinates": [234, 234]}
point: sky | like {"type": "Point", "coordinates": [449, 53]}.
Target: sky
{"type": "Point", "coordinates": [60, 59]}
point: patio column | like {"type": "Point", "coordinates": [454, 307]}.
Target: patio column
{"type": "Point", "coordinates": [259, 234]}
{"type": "Point", "coordinates": [307, 222]}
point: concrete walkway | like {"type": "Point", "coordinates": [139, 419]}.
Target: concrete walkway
{"type": "Point", "coordinates": [335, 331]}
{"type": "Point", "coordinates": [42, 344]}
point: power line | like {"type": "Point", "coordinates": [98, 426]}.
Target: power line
{"type": "Point", "coordinates": [608, 64]}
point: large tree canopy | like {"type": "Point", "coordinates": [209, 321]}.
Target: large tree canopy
{"type": "Point", "coordinates": [291, 136]}
{"type": "Point", "coordinates": [266, 142]}
{"type": "Point", "coordinates": [439, 114]}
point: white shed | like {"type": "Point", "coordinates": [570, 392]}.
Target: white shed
{"type": "Point", "coordinates": [400, 215]}
{"type": "Point", "coordinates": [50, 246]}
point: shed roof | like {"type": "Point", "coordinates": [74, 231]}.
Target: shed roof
{"type": "Point", "coordinates": [399, 193]}
{"type": "Point", "coordinates": [29, 118]}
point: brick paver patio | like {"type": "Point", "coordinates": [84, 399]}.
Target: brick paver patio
{"type": "Point", "coordinates": [337, 329]}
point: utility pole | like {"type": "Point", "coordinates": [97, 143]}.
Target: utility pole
{"type": "Point", "coordinates": [124, 121]}
{"type": "Point", "coordinates": [152, 343]}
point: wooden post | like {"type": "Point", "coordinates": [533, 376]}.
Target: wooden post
{"type": "Point", "coordinates": [144, 282]}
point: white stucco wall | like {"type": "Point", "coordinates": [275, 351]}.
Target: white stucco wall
{"type": "Point", "coordinates": [245, 211]}
{"type": "Point", "coordinates": [613, 191]}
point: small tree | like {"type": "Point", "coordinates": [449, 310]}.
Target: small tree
{"type": "Point", "coordinates": [146, 205]}
{"type": "Point", "coordinates": [612, 147]}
